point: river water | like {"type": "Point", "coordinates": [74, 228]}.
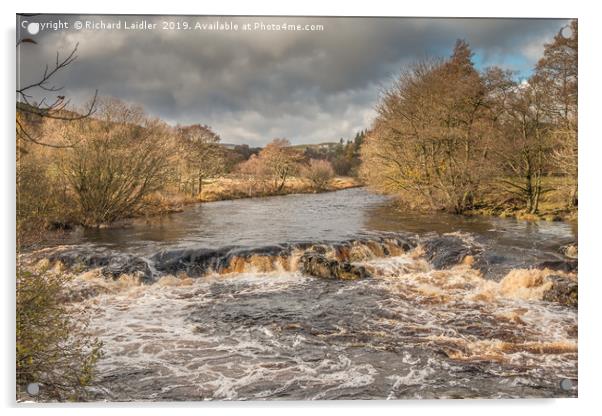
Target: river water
{"type": "Point", "coordinates": [227, 312]}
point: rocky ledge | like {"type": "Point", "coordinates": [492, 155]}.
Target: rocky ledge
{"type": "Point", "coordinates": [564, 290]}
{"type": "Point", "coordinates": [318, 265]}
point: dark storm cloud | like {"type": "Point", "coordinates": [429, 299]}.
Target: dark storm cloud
{"type": "Point", "coordinates": [253, 86]}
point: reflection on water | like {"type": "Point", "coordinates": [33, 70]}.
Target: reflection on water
{"type": "Point", "coordinates": [330, 216]}
{"type": "Point", "coordinates": [247, 222]}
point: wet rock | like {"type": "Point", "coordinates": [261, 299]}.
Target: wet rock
{"type": "Point", "coordinates": [111, 263]}
{"type": "Point", "coordinates": [317, 265]}
{"type": "Point", "coordinates": [564, 291]}
{"type": "Point", "coordinates": [91, 258]}
{"type": "Point", "coordinates": [567, 266]}
{"type": "Point", "coordinates": [194, 262]}
{"type": "Point", "coordinates": [60, 226]}
{"type": "Point", "coordinates": [129, 265]}
{"type": "Point", "coordinates": [570, 251]}
{"type": "Point", "coordinates": [444, 251]}
{"type": "Point", "coordinates": [198, 261]}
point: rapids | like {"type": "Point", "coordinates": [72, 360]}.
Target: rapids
{"type": "Point", "coordinates": [328, 296]}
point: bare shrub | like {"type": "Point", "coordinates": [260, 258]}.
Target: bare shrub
{"type": "Point", "coordinates": [117, 164]}
{"type": "Point", "coordinates": [43, 198]}
{"type": "Point", "coordinates": [271, 168]}
{"type": "Point", "coordinates": [319, 173]}
{"type": "Point", "coordinates": [53, 349]}
{"type": "Point", "coordinates": [202, 157]}
{"type": "Point", "coordinates": [429, 140]}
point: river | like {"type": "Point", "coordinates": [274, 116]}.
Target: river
{"type": "Point", "coordinates": [452, 308]}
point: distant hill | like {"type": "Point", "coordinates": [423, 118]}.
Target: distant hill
{"type": "Point", "coordinates": [325, 145]}
{"type": "Point", "coordinates": [229, 145]}
{"type": "Point", "coordinates": [301, 147]}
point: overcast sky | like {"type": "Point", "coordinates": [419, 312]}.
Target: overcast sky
{"type": "Point", "coordinates": [252, 86]}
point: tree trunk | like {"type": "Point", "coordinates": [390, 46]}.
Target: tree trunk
{"type": "Point", "coordinates": [529, 194]}
{"type": "Point", "coordinates": [536, 194]}
{"type": "Point", "coordinates": [200, 183]}
{"type": "Point", "coordinates": [281, 184]}
{"type": "Point", "coordinates": [573, 198]}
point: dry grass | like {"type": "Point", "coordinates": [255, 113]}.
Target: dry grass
{"type": "Point", "coordinates": [160, 203]}
{"type": "Point", "coordinates": [238, 187]}
{"type": "Point", "coordinates": [552, 207]}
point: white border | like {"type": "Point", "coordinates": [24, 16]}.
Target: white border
{"type": "Point", "coordinates": [591, 205]}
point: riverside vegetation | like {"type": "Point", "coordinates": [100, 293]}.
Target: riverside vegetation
{"type": "Point", "coordinates": [446, 137]}
{"type": "Point", "coordinates": [120, 163]}
{"type": "Point", "coordinates": [450, 137]}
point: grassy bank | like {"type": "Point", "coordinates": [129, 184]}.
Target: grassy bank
{"type": "Point", "coordinates": [552, 206]}
{"type": "Point", "coordinates": [234, 187]}
{"type": "Point", "coordinates": [495, 202]}
{"type": "Point", "coordinates": [547, 212]}
{"type": "Point", "coordinates": [227, 188]}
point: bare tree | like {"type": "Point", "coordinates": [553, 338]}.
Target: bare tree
{"type": "Point", "coordinates": [429, 139]}
{"type": "Point", "coordinates": [523, 146]}
{"type": "Point", "coordinates": [319, 173]}
{"type": "Point", "coordinates": [52, 104]}
{"type": "Point", "coordinates": [201, 152]}
{"type": "Point", "coordinates": [120, 161]}
{"type": "Point", "coordinates": [276, 162]}
{"type": "Point", "coordinates": [557, 72]}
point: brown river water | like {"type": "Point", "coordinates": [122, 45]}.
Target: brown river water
{"type": "Point", "coordinates": [225, 311]}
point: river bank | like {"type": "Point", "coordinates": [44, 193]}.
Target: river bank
{"type": "Point", "coordinates": [161, 207]}
{"type": "Point", "coordinates": [550, 212]}
{"type": "Point", "coordinates": [552, 207]}
{"type": "Point", "coordinates": [236, 187]}
{"type": "Point", "coordinates": [160, 204]}
{"type": "Point", "coordinates": [229, 188]}
{"type": "Point", "coordinates": [552, 204]}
